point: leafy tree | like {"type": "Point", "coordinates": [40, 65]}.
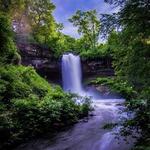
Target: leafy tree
{"type": "Point", "coordinates": [131, 43]}
{"type": "Point", "coordinates": [61, 43]}
{"type": "Point", "coordinates": [88, 26]}
{"type": "Point", "coordinates": [8, 51]}
{"type": "Point", "coordinates": [29, 16]}
{"type": "Point", "coordinates": [41, 19]}
{"type": "Point", "coordinates": [36, 13]}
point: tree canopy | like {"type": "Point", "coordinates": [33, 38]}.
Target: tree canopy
{"type": "Point", "coordinates": [88, 26]}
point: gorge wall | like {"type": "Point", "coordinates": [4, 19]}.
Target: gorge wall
{"type": "Point", "coordinates": [43, 60]}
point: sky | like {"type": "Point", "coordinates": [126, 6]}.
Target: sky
{"type": "Point", "coordinates": [66, 8]}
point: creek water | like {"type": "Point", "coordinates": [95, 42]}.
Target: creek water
{"type": "Point", "coordinates": [87, 134]}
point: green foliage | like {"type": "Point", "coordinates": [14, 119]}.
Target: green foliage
{"type": "Point", "coordinates": [128, 56]}
{"type": "Point", "coordinates": [102, 51]}
{"type": "Point", "coordinates": [8, 52]}
{"type": "Point", "coordinates": [61, 43]}
{"type": "Point", "coordinates": [141, 120]}
{"type": "Point", "coordinates": [29, 105]}
{"type": "Point", "coordinates": [130, 46]}
{"type": "Point", "coordinates": [88, 26]}
{"type": "Point", "coordinates": [36, 14]}
{"type": "Point", "coordinates": [20, 82]}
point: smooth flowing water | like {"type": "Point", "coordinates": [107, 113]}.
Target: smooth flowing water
{"type": "Point", "coordinates": [88, 134]}
{"type": "Point", "coordinates": [71, 73]}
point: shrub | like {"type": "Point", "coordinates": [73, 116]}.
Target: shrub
{"type": "Point", "coordinates": [29, 105]}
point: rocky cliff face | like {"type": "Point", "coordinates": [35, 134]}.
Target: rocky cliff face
{"type": "Point", "coordinates": [101, 67]}
{"type": "Point", "coordinates": [41, 58]}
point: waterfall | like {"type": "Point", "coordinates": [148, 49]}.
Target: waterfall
{"type": "Point", "coordinates": [86, 135]}
{"type": "Point", "coordinates": [71, 73]}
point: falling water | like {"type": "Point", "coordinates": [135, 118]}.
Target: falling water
{"type": "Point", "coordinates": [71, 73]}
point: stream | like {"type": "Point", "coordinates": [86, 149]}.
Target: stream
{"type": "Point", "coordinates": [88, 133]}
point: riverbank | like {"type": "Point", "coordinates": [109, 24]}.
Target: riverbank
{"type": "Point", "coordinates": [30, 106]}
{"type": "Point", "coordinates": [88, 134]}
